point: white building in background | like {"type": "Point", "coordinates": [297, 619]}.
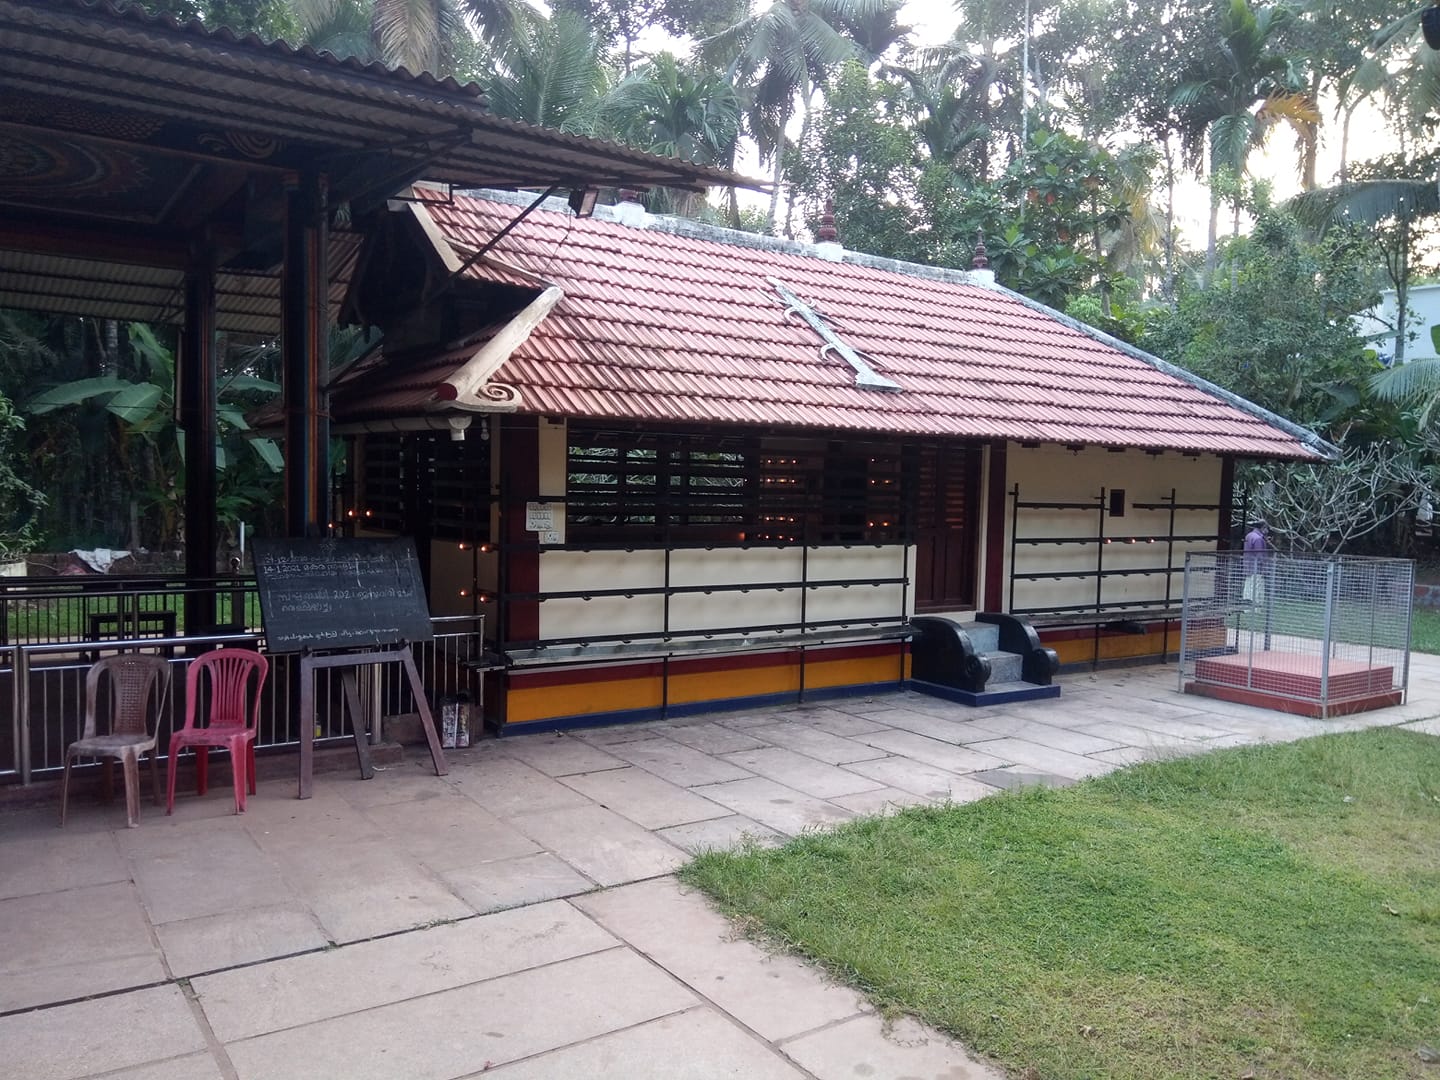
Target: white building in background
{"type": "Point", "coordinates": [1380, 324]}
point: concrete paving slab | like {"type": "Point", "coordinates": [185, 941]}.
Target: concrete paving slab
{"type": "Point", "coordinates": [448, 833]}
{"type": "Point", "coordinates": [1044, 758]}
{"type": "Point", "coordinates": [881, 801]}
{"type": "Point", "coordinates": [212, 942]}
{"type": "Point", "coordinates": [816, 743]}
{"type": "Point", "coordinates": [1015, 777]}
{"type": "Point", "coordinates": [683, 765]}
{"type": "Point", "coordinates": [601, 844]}
{"type": "Point", "coordinates": [619, 733]}
{"type": "Point", "coordinates": [365, 888]}
{"type": "Point", "coordinates": [47, 943]}
{"type": "Point", "coordinates": [508, 883]}
{"type": "Point", "coordinates": [832, 721]}
{"type": "Point", "coordinates": [412, 779]}
{"type": "Point", "coordinates": [696, 1045]}
{"type": "Point", "coordinates": [87, 1037]}
{"type": "Point", "coordinates": [189, 1067]}
{"type": "Point", "coordinates": [559, 754]}
{"type": "Point", "coordinates": [955, 759]}
{"type": "Point", "coordinates": [781, 808]}
{"type": "Point", "coordinates": [721, 834]}
{"type": "Point", "coordinates": [42, 864]}
{"type": "Point", "coordinates": [1044, 733]}
{"type": "Point", "coordinates": [939, 724]}
{"type": "Point", "coordinates": [472, 1028]}
{"type": "Point", "coordinates": [200, 868]}
{"type": "Point", "coordinates": [644, 798]}
{"type": "Point", "coordinates": [868, 1046]}
{"type": "Point", "coordinates": [924, 780]}
{"type": "Point", "coordinates": [713, 738]}
{"type": "Point", "coordinates": [802, 773]}
{"type": "Point", "coordinates": [1130, 735]}
{"type": "Point", "coordinates": [774, 994]}
{"type": "Point", "coordinates": [506, 786]}
{"type": "Point", "coordinates": [1128, 755]}
{"type": "Point", "coordinates": [320, 986]}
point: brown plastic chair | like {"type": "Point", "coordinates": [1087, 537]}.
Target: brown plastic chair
{"type": "Point", "coordinates": [134, 678]}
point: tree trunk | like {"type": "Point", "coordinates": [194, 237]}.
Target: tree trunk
{"type": "Point", "coordinates": [1169, 287]}
{"type": "Point", "coordinates": [1213, 235]}
{"type": "Point", "coordinates": [1310, 141]}
{"type": "Point", "coordinates": [1402, 291]}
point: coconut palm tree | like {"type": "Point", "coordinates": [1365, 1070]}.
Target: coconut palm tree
{"type": "Point", "coordinates": [550, 75]}
{"type": "Point", "coordinates": [781, 55]}
{"type": "Point", "coordinates": [678, 110]}
{"type": "Point", "coordinates": [951, 91]}
{"type": "Point", "coordinates": [1235, 96]}
{"type": "Point", "coordinates": [418, 35]}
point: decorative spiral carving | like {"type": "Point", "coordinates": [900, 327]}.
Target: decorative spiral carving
{"type": "Point", "coordinates": [501, 394]}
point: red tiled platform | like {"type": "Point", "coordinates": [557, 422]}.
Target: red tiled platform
{"type": "Point", "coordinates": [1291, 682]}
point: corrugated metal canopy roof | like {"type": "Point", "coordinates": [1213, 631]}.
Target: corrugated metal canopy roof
{"type": "Point", "coordinates": [124, 137]}
{"type": "Point", "coordinates": [90, 51]}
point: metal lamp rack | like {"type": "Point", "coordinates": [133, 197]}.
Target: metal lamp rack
{"type": "Point", "coordinates": [1101, 613]}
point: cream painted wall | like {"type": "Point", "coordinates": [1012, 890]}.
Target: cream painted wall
{"type": "Point", "coordinates": [1054, 474]}
{"type": "Point", "coordinates": [575, 571]}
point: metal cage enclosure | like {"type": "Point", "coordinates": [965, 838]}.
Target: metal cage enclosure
{"type": "Point", "coordinates": [1308, 634]}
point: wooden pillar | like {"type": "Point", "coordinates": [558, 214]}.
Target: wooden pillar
{"type": "Point", "coordinates": [196, 393]}
{"type": "Point", "coordinates": [305, 354]}
{"type": "Point", "coordinates": [995, 530]}
{"type": "Point", "coordinates": [520, 561]}
{"type": "Point", "coordinates": [1227, 499]}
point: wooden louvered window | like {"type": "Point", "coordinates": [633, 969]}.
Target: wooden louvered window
{"type": "Point", "coordinates": [382, 483]}
{"type": "Point", "coordinates": [704, 486]}
{"type": "Point", "coordinates": [425, 484]}
{"type": "Point", "coordinates": [652, 487]}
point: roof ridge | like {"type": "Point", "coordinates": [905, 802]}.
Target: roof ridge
{"type": "Point", "coordinates": [691, 229]}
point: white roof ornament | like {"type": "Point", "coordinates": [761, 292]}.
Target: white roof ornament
{"type": "Point", "coordinates": [866, 378]}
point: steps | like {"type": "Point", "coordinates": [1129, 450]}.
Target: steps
{"type": "Point", "coordinates": [964, 661]}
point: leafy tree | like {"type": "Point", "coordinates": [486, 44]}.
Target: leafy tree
{"type": "Point", "coordinates": [146, 449]}
{"type": "Point", "coordinates": [1393, 199]}
{"type": "Point", "coordinates": [860, 158]}
{"type": "Point", "coordinates": [1278, 327]}
{"type": "Point", "coordinates": [621, 22]}
{"type": "Point", "coordinates": [20, 503]}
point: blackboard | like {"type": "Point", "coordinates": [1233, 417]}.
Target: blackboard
{"type": "Point", "coordinates": [339, 593]}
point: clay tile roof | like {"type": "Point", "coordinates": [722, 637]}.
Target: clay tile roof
{"type": "Point", "coordinates": [659, 325]}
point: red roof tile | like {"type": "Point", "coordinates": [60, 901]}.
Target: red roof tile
{"type": "Point", "coordinates": [660, 326]}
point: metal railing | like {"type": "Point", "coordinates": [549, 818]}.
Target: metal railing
{"type": "Point", "coordinates": [44, 658]}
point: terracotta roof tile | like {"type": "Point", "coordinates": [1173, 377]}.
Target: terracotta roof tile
{"type": "Point", "coordinates": [666, 327]}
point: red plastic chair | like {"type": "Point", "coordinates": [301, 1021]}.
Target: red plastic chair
{"type": "Point", "coordinates": [230, 723]}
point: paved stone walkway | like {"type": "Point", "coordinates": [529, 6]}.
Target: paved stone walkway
{"type": "Point", "coordinates": [519, 918]}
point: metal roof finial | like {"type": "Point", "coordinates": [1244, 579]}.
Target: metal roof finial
{"type": "Point", "coordinates": [827, 233]}
{"type": "Point", "coordinates": [981, 261]}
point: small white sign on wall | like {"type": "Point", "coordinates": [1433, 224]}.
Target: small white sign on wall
{"type": "Point", "coordinates": [547, 519]}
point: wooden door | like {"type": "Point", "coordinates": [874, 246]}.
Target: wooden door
{"type": "Point", "coordinates": [947, 518]}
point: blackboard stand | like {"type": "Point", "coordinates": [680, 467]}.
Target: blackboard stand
{"type": "Point", "coordinates": [310, 664]}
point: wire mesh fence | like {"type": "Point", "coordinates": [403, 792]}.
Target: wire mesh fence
{"type": "Point", "coordinates": [1319, 635]}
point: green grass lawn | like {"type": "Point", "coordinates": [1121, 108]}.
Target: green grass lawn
{"type": "Point", "coordinates": [1425, 631]}
{"type": "Point", "coordinates": [1268, 912]}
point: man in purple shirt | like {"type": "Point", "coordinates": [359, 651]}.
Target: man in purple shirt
{"type": "Point", "coordinates": [1255, 548]}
